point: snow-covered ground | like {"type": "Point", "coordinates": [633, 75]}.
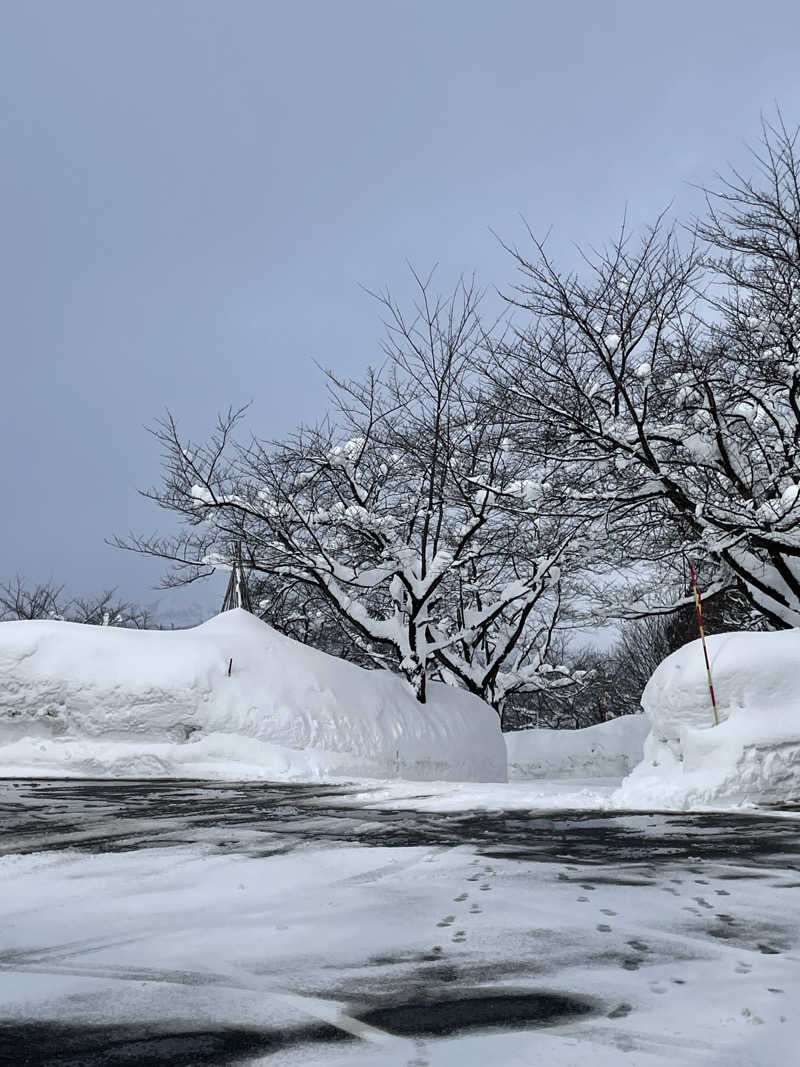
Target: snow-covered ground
{"type": "Point", "coordinates": [389, 922]}
{"type": "Point", "coordinates": [541, 794]}
{"type": "Point", "coordinates": [94, 701]}
{"type": "Point", "coordinates": [225, 925]}
{"type": "Point", "coordinates": [752, 756]}
{"type": "Point", "coordinates": [232, 699]}
{"type": "Point", "coordinates": [610, 749]}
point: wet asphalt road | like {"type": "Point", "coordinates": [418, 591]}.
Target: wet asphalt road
{"type": "Point", "coordinates": [262, 819]}
{"type": "Point", "coordinates": [257, 818]}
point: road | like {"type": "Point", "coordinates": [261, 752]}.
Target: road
{"type": "Point", "coordinates": [183, 923]}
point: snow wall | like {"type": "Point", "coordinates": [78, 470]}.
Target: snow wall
{"type": "Point", "coordinates": [607, 750]}
{"type": "Point", "coordinates": [103, 701]}
{"type": "Point", "coordinates": [753, 756]}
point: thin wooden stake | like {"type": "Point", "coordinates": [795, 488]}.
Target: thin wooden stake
{"type": "Point", "coordinates": [230, 666]}
{"type": "Point", "coordinates": [698, 603]}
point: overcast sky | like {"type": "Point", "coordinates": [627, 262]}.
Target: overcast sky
{"type": "Point", "coordinates": [192, 193]}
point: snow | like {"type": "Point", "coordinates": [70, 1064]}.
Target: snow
{"type": "Point", "coordinates": [701, 446]}
{"type": "Point", "coordinates": [268, 927]}
{"type": "Point", "coordinates": [606, 750]}
{"type": "Point", "coordinates": [530, 795]}
{"type": "Point", "coordinates": [86, 701]}
{"type": "Point", "coordinates": [103, 701]}
{"type": "Point", "coordinates": [753, 756]}
{"type": "Point", "coordinates": [789, 496]}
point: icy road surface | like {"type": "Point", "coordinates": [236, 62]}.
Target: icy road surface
{"type": "Point", "coordinates": [187, 923]}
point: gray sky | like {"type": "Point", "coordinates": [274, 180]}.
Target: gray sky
{"type": "Point", "coordinates": [191, 193]}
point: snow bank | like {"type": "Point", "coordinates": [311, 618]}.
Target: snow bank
{"type": "Point", "coordinates": [610, 749]}
{"type": "Point", "coordinates": [753, 756]}
{"type": "Point", "coordinates": [103, 701]}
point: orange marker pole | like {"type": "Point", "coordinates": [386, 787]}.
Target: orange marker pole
{"type": "Point", "coordinates": [698, 603]}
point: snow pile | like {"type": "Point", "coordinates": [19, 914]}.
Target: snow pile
{"type": "Point", "coordinates": [753, 756]}
{"type": "Point", "coordinates": [102, 701]}
{"type": "Point", "coordinates": [610, 749]}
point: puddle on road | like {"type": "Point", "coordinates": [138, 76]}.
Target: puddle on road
{"type": "Point", "coordinates": [45, 1044]}
{"type": "Point", "coordinates": [42, 1044]}
{"type": "Point", "coordinates": [507, 1009]}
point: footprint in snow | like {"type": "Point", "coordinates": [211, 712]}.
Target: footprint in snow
{"type": "Point", "coordinates": [752, 1017]}
{"type": "Point", "coordinates": [722, 892]}
{"type": "Point", "coordinates": [420, 1058]}
{"type": "Point", "coordinates": [743, 968]}
{"type": "Point", "coordinates": [640, 946]}
{"type": "Point", "coordinates": [620, 1011]}
{"type": "Point", "coordinates": [607, 911]}
{"type": "Point", "coordinates": [582, 900]}
{"type": "Point", "coordinates": [475, 910]}
{"type": "Point", "coordinates": [448, 920]}
{"type": "Point", "coordinates": [459, 936]}
{"type": "Point", "coordinates": [604, 928]}
{"type": "Point", "coordinates": [460, 897]}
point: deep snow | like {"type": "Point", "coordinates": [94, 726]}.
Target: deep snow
{"type": "Point", "coordinates": [90, 701]}
{"type": "Point", "coordinates": [609, 749]}
{"type": "Point", "coordinates": [104, 701]}
{"type": "Point", "coordinates": [752, 756]}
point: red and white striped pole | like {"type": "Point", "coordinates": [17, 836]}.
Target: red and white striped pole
{"type": "Point", "coordinates": [698, 603]}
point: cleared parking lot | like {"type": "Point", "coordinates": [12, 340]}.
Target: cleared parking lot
{"type": "Point", "coordinates": [186, 923]}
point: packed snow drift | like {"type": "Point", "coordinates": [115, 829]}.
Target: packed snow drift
{"type": "Point", "coordinates": [103, 701]}
{"type": "Point", "coordinates": [753, 756]}
{"type": "Point", "coordinates": [610, 749]}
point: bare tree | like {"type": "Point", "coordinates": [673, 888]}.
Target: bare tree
{"type": "Point", "coordinates": [48, 601]}
{"type": "Point", "coordinates": [19, 601]}
{"type": "Point", "coordinates": [583, 698]}
{"type": "Point", "coordinates": [409, 511]}
{"type": "Point", "coordinates": [106, 609]}
{"type": "Point", "coordinates": [299, 611]}
{"type": "Point", "coordinates": [667, 381]}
